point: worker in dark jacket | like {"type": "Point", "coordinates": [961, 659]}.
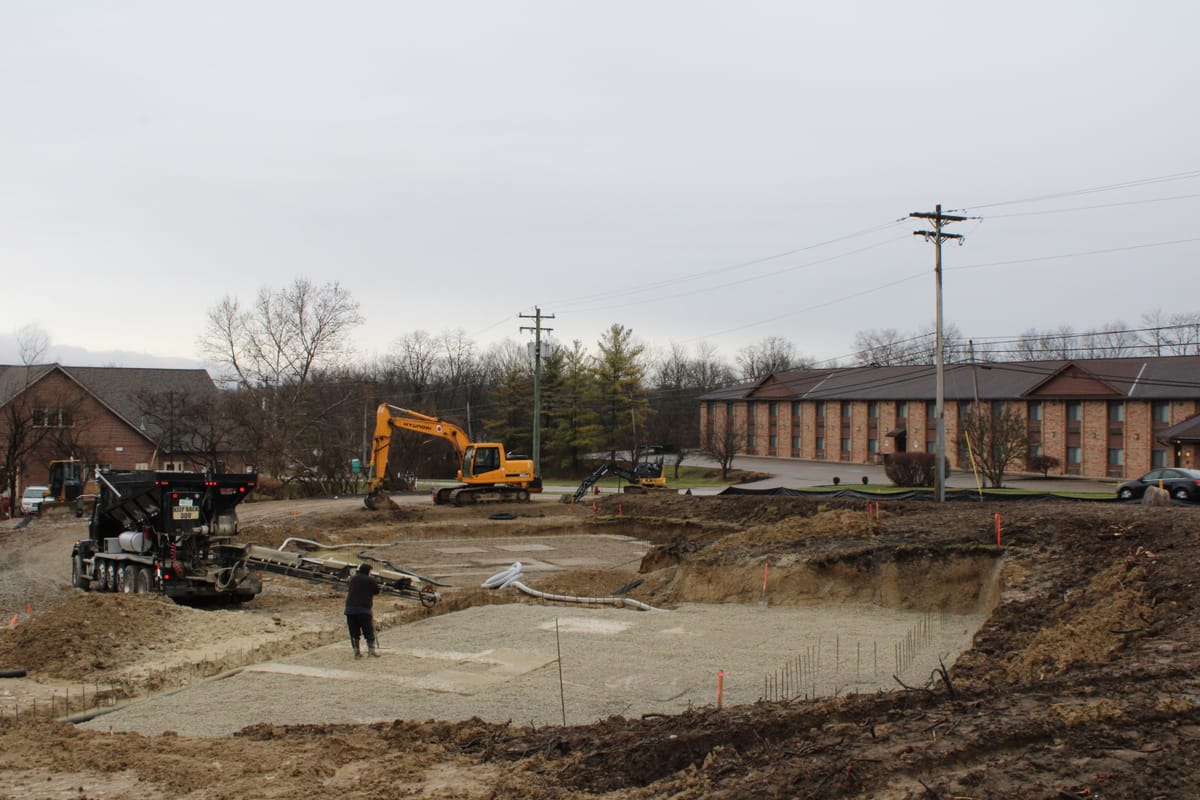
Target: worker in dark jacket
{"type": "Point", "coordinates": [359, 598]}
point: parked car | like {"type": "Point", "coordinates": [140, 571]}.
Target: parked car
{"type": "Point", "coordinates": [1183, 484]}
{"type": "Point", "coordinates": [33, 497]}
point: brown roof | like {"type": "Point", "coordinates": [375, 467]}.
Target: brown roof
{"type": "Point", "coordinates": [1161, 378]}
{"type": "Point", "coordinates": [117, 388]}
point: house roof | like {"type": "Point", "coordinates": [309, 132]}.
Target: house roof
{"type": "Point", "coordinates": [120, 389]}
{"type": "Point", "coordinates": [1186, 431]}
{"type": "Point", "coordinates": [1160, 378]}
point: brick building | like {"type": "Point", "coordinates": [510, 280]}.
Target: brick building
{"type": "Point", "coordinates": [1101, 418]}
{"type": "Point", "coordinates": [128, 418]}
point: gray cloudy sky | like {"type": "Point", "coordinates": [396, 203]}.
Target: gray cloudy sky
{"type": "Point", "coordinates": [454, 164]}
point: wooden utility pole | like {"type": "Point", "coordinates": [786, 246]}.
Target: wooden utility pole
{"type": "Point", "coordinates": [937, 237]}
{"type": "Point", "coordinates": [537, 329]}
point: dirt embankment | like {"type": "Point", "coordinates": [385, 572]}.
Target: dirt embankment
{"type": "Point", "coordinates": [1081, 683]}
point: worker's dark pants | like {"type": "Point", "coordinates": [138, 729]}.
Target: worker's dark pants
{"type": "Point", "coordinates": [361, 625]}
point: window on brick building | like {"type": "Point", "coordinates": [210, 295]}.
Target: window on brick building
{"type": "Point", "coordinates": [1074, 455]}
{"type": "Point", "coordinates": [1074, 411]}
{"type": "Point", "coordinates": [1116, 456]}
{"type": "Point", "coordinates": [1035, 411]}
{"type": "Point", "coordinates": [901, 412]}
{"type": "Point", "coordinates": [1160, 411]}
{"type": "Point", "coordinates": [52, 418]}
{"type": "Point", "coordinates": [847, 408]}
{"type": "Point", "coordinates": [1116, 411]}
{"type": "Point", "coordinates": [873, 410]}
{"type": "Point", "coordinates": [1158, 458]}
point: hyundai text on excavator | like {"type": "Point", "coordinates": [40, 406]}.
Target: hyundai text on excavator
{"type": "Point", "coordinates": [485, 471]}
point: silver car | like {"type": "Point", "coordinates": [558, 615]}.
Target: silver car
{"type": "Point", "coordinates": [33, 497]}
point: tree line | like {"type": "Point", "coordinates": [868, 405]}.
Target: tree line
{"type": "Point", "coordinates": [303, 405]}
{"type": "Point", "coordinates": [300, 404]}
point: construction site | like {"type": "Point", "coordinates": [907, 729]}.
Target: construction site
{"type": "Point", "coordinates": [651, 645]}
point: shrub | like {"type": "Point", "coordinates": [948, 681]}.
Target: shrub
{"type": "Point", "coordinates": [1042, 464]}
{"type": "Point", "coordinates": [913, 469]}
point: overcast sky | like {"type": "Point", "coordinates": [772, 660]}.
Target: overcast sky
{"type": "Point", "coordinates": [695, 171]}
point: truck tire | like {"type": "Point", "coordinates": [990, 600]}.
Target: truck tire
{"type": "Point", "coordinates": [79, 578]}
{"type": "Point", "coordinates": [144, 582]}
{"type": "Point", "coordinates": [110, 576]}
{"type": "Point", "coordinates": [128, 578]}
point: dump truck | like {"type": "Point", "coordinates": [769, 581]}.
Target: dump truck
{"type": "Point", "coordinates": [166, 532]}
{"type": "Point", "coordinates": [171, 533]}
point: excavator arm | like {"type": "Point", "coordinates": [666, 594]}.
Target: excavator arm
{"type": "Point", "coordinates": [390, 418]}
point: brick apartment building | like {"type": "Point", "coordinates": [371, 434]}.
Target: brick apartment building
{"type": "Point", "coordinates": [123, 417]}
{"type": "Point", "coordinates": [1101, 418]}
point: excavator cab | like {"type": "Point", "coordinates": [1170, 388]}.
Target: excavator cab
{"type": "Point", "coordinates": [479, 460]}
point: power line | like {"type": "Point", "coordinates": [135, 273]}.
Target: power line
{"type": "Point", "coordinates": [626, 290]}
{"type": "Point", "coordinates": [1178, 176]}
{"type": "Point", "coordinates": [1096, 207]}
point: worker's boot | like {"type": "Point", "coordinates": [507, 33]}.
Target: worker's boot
{"type": "Point", "coordinates": [371, 649]}
{"type": "Point", "coordinates": [357, 651]}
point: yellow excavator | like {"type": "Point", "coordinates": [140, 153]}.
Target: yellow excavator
{"type": "Point", "coordinates": [486, 472]}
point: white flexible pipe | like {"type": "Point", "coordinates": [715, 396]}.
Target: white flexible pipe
{"type": "Point", "coordinates": [512, 577]}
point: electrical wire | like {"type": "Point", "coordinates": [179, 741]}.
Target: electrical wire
{"type": "Point", "coordinates": [1178, 176]}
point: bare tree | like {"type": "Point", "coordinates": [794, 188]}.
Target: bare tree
{"type": "Point", "coordinates": [890, 348]}
{"type": "Point", "coordinates": [773, 354]}
{"type": "Point", "coordinates": [24, 419]}
{"type": "Point", "coordinates": [726, 441]}
{"type": "Point", "coordinates": [995, 442]}
{"type": "Point", "coordinates": [271, 352]}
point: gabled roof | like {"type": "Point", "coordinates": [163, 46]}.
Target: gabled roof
{"type": "Point", "coordinates": [1145, 378]}
{"type": "Point", "coordinates": [15, 379]}
{"type": "Point", "coordinates": [119, 389]}
{"type": "Point", "coordinates": [1186, 431]}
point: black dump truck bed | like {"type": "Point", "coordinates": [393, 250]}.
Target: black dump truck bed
{"type": "Point", "coordinates": [167, 532]}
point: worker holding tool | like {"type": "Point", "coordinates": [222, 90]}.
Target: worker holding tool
{"type": "Point", "coordinates": [360, 596]}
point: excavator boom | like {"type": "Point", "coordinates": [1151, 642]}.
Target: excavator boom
{"type": "Point", "coordinates": [487, 473]}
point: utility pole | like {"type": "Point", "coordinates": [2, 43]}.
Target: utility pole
{"type": "Point", "coordinates": [937, 237]}
{"type": "Point", "coordinates": [537, 329]}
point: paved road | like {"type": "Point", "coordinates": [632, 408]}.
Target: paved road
{"type": "Point", "coordinates": [794, 474]}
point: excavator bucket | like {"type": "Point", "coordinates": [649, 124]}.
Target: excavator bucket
{"type": "Point", "coordinates": [375, 501]}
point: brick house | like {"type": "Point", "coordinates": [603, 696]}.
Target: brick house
{"type": "Point", "coordinates": [128, 418]}
{"type": "Point", "coordinates": [1101, 418]}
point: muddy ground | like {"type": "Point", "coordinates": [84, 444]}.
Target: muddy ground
{"type": "Point", "coordinates": [1081, 682]}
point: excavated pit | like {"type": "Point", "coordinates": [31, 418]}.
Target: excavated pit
{"type": "Point", "coordinates": [832, 629]}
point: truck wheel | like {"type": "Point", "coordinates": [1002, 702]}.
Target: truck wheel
{"type": "Point", "coordinates": [129, 578]}
{"type": "Point", "coordinates": [79, 579]}
{"type": "Point", "coordinates": [144, 582]}
{"type": "Point", "coordinates": [522, 496]}
{"type": "Point", "coordinates": [110, 577]}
